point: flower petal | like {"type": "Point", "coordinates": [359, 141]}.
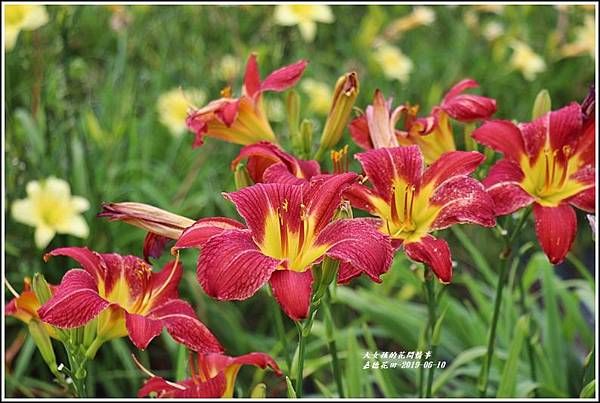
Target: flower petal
{"type": "Point", "coordinates": [555, 228]}
{"type": "Point", "coordinates": [154, 246]}
{"type": "Point", "coordinates": [324, 196]}
{"type": "Point", "coordinates": [460, 87]}
{"type": "Point", "coordinates": [163, 285]}
{"type": "Point", "coordinates": [90, 261]}
{"type": "Point", "coordinates": [503, 185]}
{"type": "Point", "coordinates": [189, 388]}
{"type": "Point", "coordinates": [43, 235]}
{"type": "Point", "coordinates": [359, 243]}
{"type": "Point", "coordinates": [502, 136]}
{"type": "Point", "coordinates": [435, 253]}
{"type": "Point", "coordinates": [142, 329]}
{"type": "Point", "coordinates": [202, 230]}
{"type": "Point", "coordinates": [260, 203]}
{"type": "Point", "coordinates": [565, 125]}
{"type": "Point", "coordinates": [231, 267]}
{"type": "Point", "coordinates": [384, 165]}
{"type": "Point", "coordinates": [450, 164]}
{"type": "Point", "coordinates": [293, 292]}
{"type": "Point", "coordinates": [359, 130]}
{"type": "Point", "coordinates": [462, 200]}
{"type": "Point", "coordinates": [251, 77]}
{"type": "Point", "coordinates": [182, 324]}
{"type": "Point", "coordinates": [284, 78]}
{"type": "Point", "coordinates": [279, 173]}
{"type": "Point", "coordinates": [75, 303]}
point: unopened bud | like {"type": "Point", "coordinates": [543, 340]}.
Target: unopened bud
{"type": "Point", "coordinates": [292, 106]}
{"type": "Point", "coordinates": [41, 289]}
{"type": "Point", "coordinates": [42, 341]}
{"type": "Point", "coordinates": [306, 135]}
{"type": "Point", "coordinates": [259, 391]}
{"type": "Point", "coordinates": [541, 105]}
{"type": "Point", "coordinates": [147, 217]}
{"type": "Point", "coordinates": [344, 96]}
{"type": "Point", "coordinates": [242, 177]}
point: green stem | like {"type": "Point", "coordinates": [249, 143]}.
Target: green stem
{"type": "Point", "coordinates": [530, 355]}
{"type": "Point", "coordinates": [332, 346]}
{"type": "Point", "coordinates": [300, 367]}
{"type": "Point", "coordinates": [505, 258]}
{"type": "Point", "coordinates": [431, 322]}
{"type": "Point", "coordinates": [77, 373]}
{"type": "Point", "coordinates": [282, 336]}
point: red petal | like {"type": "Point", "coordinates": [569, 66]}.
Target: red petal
{"type": "Point", "coordinates": [359, 243]}
{"type": "Point", "coordinates": [586, 145]}
{"type": "Point", "coordinates": [279, 173]}
{"type": "Point", "coordinates": [252, 77]}
{"type": "Point", "coordinates": [141, 329]}
{"type": "Point", "coordinates": [460, 87]}
{"type": "Point", "coordinates": [90, 261]}
{"type": "Point", "coordinates": [75, 303]}
{"type": "Point", "coordinates": [347, 272]}
{"type": "Point", "coordinates": [463, 200]}
{"type": "Point", "coordinates": [467, 108]}
{"type": "Point", "coordinates": [202, 230]}
{"type": "Point", "coordinates": [361, 197]}
{"type": "Point", "coordinates": [228, 112]}
{"type": "Point", "coordinates": [126, 268]}
{"type": "Point", "coordinates": [565, 125]}
{"type": "Point", "coordinates": [256, 203]}
{"type": "Point", "coordinates": [293, 291]}
{"type": "Point", "coordinates": [503, 185]}
{"type": "Point", "coordinates": [502, 136]}
{"type": "Point", "coordinates": [586, 199]}
{"type": "Point", "coordinates": [212, 388]}
{"type": "Point", "coordinates": [182, 324]}
{"type": "Point", "coordinates": [284, 78]}
{"type": "Point", "coordinates": [219, 362]}
{"type": "Point", "coordinates": [555, 228]}
{"type": "Point", "coordinates": [450, 164]}
{"type": "Point", "coordinates": [164, 284]}
{"type": "Point", "coordinates": [154, 246]}
{"type": "Point", "coordinates": [384, 164]}
{"type": "Point", "coordinates": [359, 130]}
{"type": "Point", "coordinates": [434, 253]}
{"type": "Point", "coordinates": [231, 267]}
{"type": "Point", "coordinates": [324, 196]}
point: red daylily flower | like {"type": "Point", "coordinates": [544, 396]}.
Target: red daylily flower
{"type": "Point", "coordinates": [243, 120]}
{"type": "Point", "coordinates": [127, 298]}
{"type": "Point", "coordinates": [213, 375]}
{"type": "Point", "coordinates": [433, 134]}
{"type": "Point", "coordinates": [267, 162]}
{"type": "Point", "coordinates": [411, 202]}
{"type": "Point", "coordinates": [549, 163]}
{"type": "Point", "coordinates": [25, 306]}
{"type": "Point", "coordinates": [289, 230]}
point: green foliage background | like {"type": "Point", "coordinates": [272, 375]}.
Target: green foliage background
{"type": "Point", "coordinates": [81, 105]}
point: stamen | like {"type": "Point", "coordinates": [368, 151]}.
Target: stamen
{"type": "Point", "coordinates": [547, 166]}
{"type": "Point", "coordinates": [405, 212]}
{"type": "Point", "coordinates": [226, 92]}
{"type": "Point", "coordinates": [10, 288]}
{"type": "Point", "coordinates": [150, 374]}
{"type": "Point", "coordinates": [394, 207]}
{"type": "Point", "coordinates": [412, 200]}
{"type": "Point", "coordinates": [304, 228]}
{"type": "Point", "coordinates": [553, 169]}
{"type": "Point", "coordinates": [193, 371]}
{"type": "Point", "coordinates": [283, 228]}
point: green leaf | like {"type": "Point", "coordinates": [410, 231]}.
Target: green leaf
{"type": "Point", "coordinates": [353, 367]}
{"type": "Point", "coordinates": [291, 393]}
{"type": "Point", "coordinates": [462, 359]}
{"type": "Point", "coordinates": [588, 390]}
{"type": "Point", "coordinates": [510, 373]}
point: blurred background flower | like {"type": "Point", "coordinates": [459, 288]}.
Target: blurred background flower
{"type": "Point", "coordinates": [395, 64]}
{"type": "Point", "coordinates": [229, 68]}
{"type": "Point", "coordinates": [173, 108]}
{"type": "Point", "coordinates": [50, 208]}
{"type": "Point", "coordinates": [420, 16]}
{"type": "Point", "coordinates": [305, 16]}
{"type": "Point", "coordinates": [585, 40]}
{"type": "Point", "coordinates": [21, 17]}
{"type": "Point", "coordinates": [525, 60]}
{"type": "Point", "coordinates": [319, 95]}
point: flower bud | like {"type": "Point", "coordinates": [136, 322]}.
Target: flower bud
{"type": "Point", "coordinates": [541, 105]}
{"type": "Point", "coordinates": [149, 218]}
{"type": "Point", "coordinates": [259, 391]}
{"type": "Point", "coordinates": [42, 341]}
{"type": "Point", "coordinates": [344, 95]}
{"type": "Point", "coordinates": [41, 289]}
{"type": "Point", "coordinates": [306, 135]}
{"type": "Point", "coordinates": [242, 177]}
{"type": "Point", "coordinates": [292, 105]}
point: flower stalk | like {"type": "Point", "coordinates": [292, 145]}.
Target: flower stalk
{"type": "Point", "coordinates": [505, 260]}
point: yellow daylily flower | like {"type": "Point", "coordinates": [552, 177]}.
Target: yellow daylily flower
{"type": "Point", "coordinates": [50, 208]}
{"type": "Point", "coordinates": [420, 16]}
{"type": "Point", "coordinates": [395, 64]}
{"type": "Point", "coordinates": [319, 95]}
{"type": "Point", "coordinates": [585, 40]}
{"type": "Point", "coordinates": [173, 107]}
{"type": "Point", "coordinates": [493, 30]}
{"type": "Point", "coordinates": [20, 17]}
{"type": "Point", "coordinates": [305, 16]}
{"type": "Point", "coordinates": [526, 60]}
{"type": "Point", "coordinates": [229, 67]}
